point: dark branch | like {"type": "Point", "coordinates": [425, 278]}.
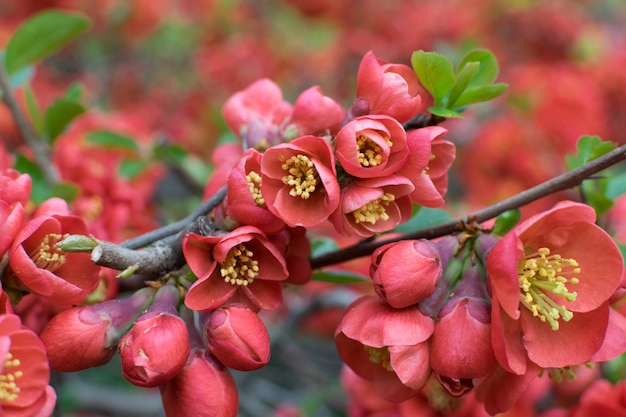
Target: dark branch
{"type": "Point", "coordinates": [563, 182]}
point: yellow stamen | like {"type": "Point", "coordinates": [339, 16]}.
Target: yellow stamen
{"type": "Point", "coordinates": [254, 184]}
{"type": "Point", "coordinates": [540, 273]}
{"type": "Point", "coordinates": [379, 355]}
{"type": "Point", "coordinates": [302, 176]}
{"type": "Point", "coordinates": [239, 268]}
{"type": "Point", "coordinates": [47, 255]}
{"type": "Point", "coordinates": [374, 210]}
{"type": "Point", "coordinates": [369, 152]}
{"type": "Point", "coordinates": [9, 390]}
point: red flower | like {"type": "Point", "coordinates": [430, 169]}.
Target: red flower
{"type": "Point", "coordinates": [313, 114]}
{"type": "Point", "coordinates": [551, 278]}
{"type": "Point", "coordinates": [242, 266]}
{"type": "Point", "coordinates": [386, 345]}
{"type": "Point", "coordinates": [299, 181]}
{"type": "Point", "coordinates": [10, 223]}
{"type": "Point", "coordinates": [389, 89]}
{"type": "Point", "coordinates": [373, 205]}
{"type": "Point", "coordinates": [40, 267]}
{"type": "Point", "coordinates": [371, 146]}
{"type": "Point", "coordinates": [203, 388]}
{"type": "Point", "coordinates": [24, 389]}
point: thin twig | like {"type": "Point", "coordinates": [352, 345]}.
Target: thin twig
{"type": "Point", "coordinates": [40, 149]}
{"type": "Point", "coordinates": [562, 182]}
{"type": "Point", "coordinates": [173, 228]}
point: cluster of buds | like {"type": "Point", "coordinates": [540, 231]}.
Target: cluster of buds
{"type": "Point", "coordinates": [486, 315]}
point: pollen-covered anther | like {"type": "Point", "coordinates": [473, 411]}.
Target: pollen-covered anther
{"type": "Point", "coordinates": [239, 268]}
{"type": "Point", "coordinates": [540, 273]}
{"type": "Point", "coordinates": [374, 210]}
{"type": "Point", "coordinates": [379, 355]}
{"type": "Point", "coordinates": [254, 184]}
{"type": "Point", "coordinates": [9, 390]}
{"type": "Point", "coordinates": [369, 152]}
{"type": "Point", "coordinates": [302, 176]}
{"type": "Point", "coordinates": [47, 255]}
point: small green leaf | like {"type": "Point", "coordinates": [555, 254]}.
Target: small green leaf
{"type": "Point", "coordinates": [339, 277]}
{"type": "Point", "coordinates": [41, 36]}
{"type": "Point", "coordinates": [443, 112]}
{"type": "Point", "coordinates": [435, 72]}
{"type": "Point", "coordinates": [170, 153]}
{"type": "Point", "coordinates": [584, 147]}
{"type": "Point", "coordinates": [59, 115]}
{"type": "Point", "coordinates": [424, 218]}
{"type": "Point", "coordinates": [77, 243]}
{"type": "Point", "coordinates": [323, 245]}
{"type": "Point", "coordinates": [600, 202]}
{"type": "Point", "coordinates": [601, 149]}
{"type": "Point", "coordinates": [40, 187]}
{"type": "Point", "coordinates": [506, 221]}
{"type": "Point", "coordinates": [616, 185]}
{"type": "Point", "coordinates": [480, 94]}
{"type": "Point", "coordinates": [112, 140]}
{"type": "Point", "coordinates": [34, 110]}
{"type": "Point", "coordinates": [488, 70]}
{"type": "Point", "coordinates": [131, 169]}
{"type": "Point", "coordinates": [74, 92]}
{"type": "Point", "coordinates": [65, 190]}
{"type": "Point", "coordinates": [463, 79]}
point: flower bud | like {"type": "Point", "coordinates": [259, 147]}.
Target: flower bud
{"type": "Point", "coordinates": [405, 273]}
{"type": "Point", "coordinates": [238, 338]}
{"type": "Point", "coordinates": [461, 343]}
{"type": "Point", "coordinates": [84, 337]}
{"type": "Point", "coordinates": [203, 388]}
{"type": "Point", "coordinates": [157, 346]}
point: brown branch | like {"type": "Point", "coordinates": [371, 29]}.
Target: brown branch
{"type": "Point", "coordinates": [40, 149]}
{"type": "Point", "coordinates": [562, 182]}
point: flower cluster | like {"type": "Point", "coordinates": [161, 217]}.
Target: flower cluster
{"type": "Point", "coordinates": [486, 316]}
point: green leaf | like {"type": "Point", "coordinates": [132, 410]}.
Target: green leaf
{"type": "Point", "coordinates": [488, 70]}
{"type": "Point", "coordinates": [616, 185]}
{"type": "Point", "coordinates": [600, 202]}
{"type": "Point", "coordinates": [112, 140]}
{"type": "Point", "coordinates": [506, 221]}
{"type": "Point", "coordinates": [169, 153]}
{"type": "Point", "coordinates": [480, 94]}
{"type": "Point", "coordinates": [41, 189]}
{"type": "Point", "coordinates": [435, 73]}
{"type": "Point", "coordinates": [339, 277]}
{"type": "Point", "coordinates": [74, 92]}
{"type": "Point", "coordinates": [585, 146]}
{"type": "Point", "coordinates": [65, 190]}
{"type": "Point", "coordinates": [443, 112]}
{"type": "Point", "coordinates": [323, 245]}
{"type": "Point", "coordinates": [131, 169]}
{"type": "Point", "coordinates": [424, 218]}
{"type": "Point", "coordinates": [34, 110]}
{"type": "Point", "coordinates": [21, 77]}
{"type": "Point", "coordinates": [60, 114]}
{"type": "Point", "coordinates": [41, 36]}
{"type": "Point", "coordinates": [463, 78]}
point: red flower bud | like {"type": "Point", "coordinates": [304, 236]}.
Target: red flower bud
{"type": "Point", "coordinates": [84, 337]}
{"type": "Point", "coordinates": [406, 272]}
{"type": "Point", "coordinates": [204, 388]}
{"type": "Point", "coordinates": [238, 338]}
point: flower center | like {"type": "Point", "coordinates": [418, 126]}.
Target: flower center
{"type": "Point", "coordinates": [540, 273]}
{"type": "Point", "coordinates": [379, 355]}
{"type": "Point", "coordinates": [47, 255]}
{"type": "Point", "coordinates": [302, 176]}
{"type": "Point", "coordinates": [369, 152]}
{"type": "Point", "coordinates": [9, 391]}
{"type": "Point", "coordinates": [254, 184]}
{"type": "Point", "coordinates": [374, 210]}
{"type": "Point", "coordinates": [239, 268]}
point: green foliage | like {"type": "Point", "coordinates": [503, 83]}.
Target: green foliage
{"type": "Point", "coordinates": [595, 190]}
{"type": "Point", "coordinates": [506, 221]}
{"type": "Point", "coordinates": [59, 115]}
{"type": "Point", "coordinates": [323, 245]}
{"type": "Point", "coordinates": [339, 277]}
{"type": "Point", "coordinates": [41, 36]}
{"type": "Point", "coordinates": [454, 90]}
{"type": "Point", "coordinates": [113, 140]}
{"type": "Point", "coordinates": [42, 189]}
{"type": "Point", "coordinates": [423, 218]}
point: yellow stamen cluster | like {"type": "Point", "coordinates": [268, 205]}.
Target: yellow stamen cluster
{"type": "Point", "coordinates": [302, 176]}
{"type": "Point", "coordinates": [239, 268]}
{"type": "Point", "coordinates": [254, 184]}
{"type": "Point", "coordinates": [9, 391]}
{"type": "Point", "coordinates": [369, 152]}
{"type": "Point", "coordinates": [47, 255]}
{"type": "Point", "coordinates": [374, 210]}
{"type": "Point", "coordinates": [540, 273]}
{"type": "Point", "coordinates": [379, 355]}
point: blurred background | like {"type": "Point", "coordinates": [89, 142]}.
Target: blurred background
{"type": "Point", "coordinates": [162, 69]}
